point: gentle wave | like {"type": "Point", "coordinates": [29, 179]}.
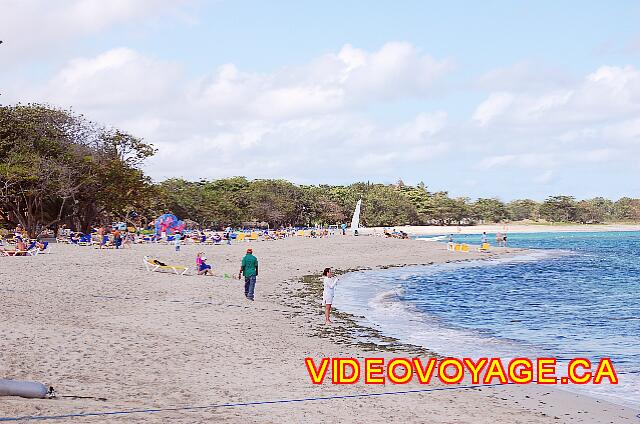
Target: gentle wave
{"type": "Point", "coordinates": [395, 302]}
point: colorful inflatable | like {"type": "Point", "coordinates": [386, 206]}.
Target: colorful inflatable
{"type": "Point", "coordinates": [168, 224]}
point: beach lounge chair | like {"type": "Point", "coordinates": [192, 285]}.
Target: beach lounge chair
{"type": "Point", "coordinates": [484, 247]}
{"type": "Point", "coordinates": [33, 252]}
{"type": "Point", "coordinates": [151, 266]}
{"type": "Point", "coordinates": [253, 237]}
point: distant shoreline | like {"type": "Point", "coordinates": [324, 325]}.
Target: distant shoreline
{"type": "Point", "coordinates": [508, 228]}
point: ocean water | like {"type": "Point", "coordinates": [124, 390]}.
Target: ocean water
{"type": "Point", "coordinates": [575, 295]}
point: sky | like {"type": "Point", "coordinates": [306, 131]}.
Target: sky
{"type": "Point", "coordinates": [481, 99]}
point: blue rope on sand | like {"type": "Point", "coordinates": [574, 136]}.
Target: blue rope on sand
{"type": "Point", "coordinates": [240, 404]}
{"type": "Point", "coordinates": [256, 403]}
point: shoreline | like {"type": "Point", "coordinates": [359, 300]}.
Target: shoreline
{"type": "Point", "coordinates": [358, 332]}
{"type": "Point", "coordinates": [506, 227]}
{"type": "Point", "coordinates": [94, 323]}
{"type": "Point", "coordinates": [390, 340]}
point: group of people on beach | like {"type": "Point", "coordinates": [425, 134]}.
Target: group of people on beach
{"type": "Point", "coordinates": [119, 236]}
{"type": "Point", "coordinates": [249, 270]}
{"type": "Point", "coordinates": [22, 244]}
{"type": "Point", "coordinates": [114, 238]}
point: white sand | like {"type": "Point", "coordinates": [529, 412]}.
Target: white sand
{"type": "Point", "coordinates": [95, 323]}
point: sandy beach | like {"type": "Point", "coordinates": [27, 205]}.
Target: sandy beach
{"type": "Point", "coordinates": [95, 323]}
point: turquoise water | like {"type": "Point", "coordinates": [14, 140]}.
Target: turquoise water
{"type": "Point", "coordinates": [577, 296]}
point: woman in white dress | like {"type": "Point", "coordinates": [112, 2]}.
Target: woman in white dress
{"type": "Point", "coordinates": [327, 294]}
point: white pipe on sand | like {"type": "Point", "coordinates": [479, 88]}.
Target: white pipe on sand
{"type": "Point", "coordinates": [25, 389]}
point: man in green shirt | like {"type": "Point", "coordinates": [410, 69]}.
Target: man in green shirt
{"type": "Point", "coordinates": [249, 268]}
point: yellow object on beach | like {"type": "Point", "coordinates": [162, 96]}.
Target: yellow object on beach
{"type": "Point", "coordinates": [241, 237]}
{"type": "Point", "coordinates": [484, 247]}
{"type": "Point", "coordinates": [151, 266]}
{"type": "Point", "coordinates": [457, 247]}
{"type": "Point", "coordinates": [254, 236]}
{"type": "Point", "coordinates": [300, 233]}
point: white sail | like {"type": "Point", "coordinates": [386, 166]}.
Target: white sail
{"type": "Point", "coordinates": [355, 221]}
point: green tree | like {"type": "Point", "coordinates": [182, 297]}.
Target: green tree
{"type": "Point", "coordinates": [520, 210]}
{"type": "Point", "coordinates": [490, 210]}
{"type": "Point", "coordinates": [627, 209]}
{"type": "Point", "coordinates": [276, 202]}
{"type": "Point", "coordinates": [594, 211]}
{"type": "Point", "coordinates": [559, 209]}
{"type": "Point", "coordinates": [57, 167]}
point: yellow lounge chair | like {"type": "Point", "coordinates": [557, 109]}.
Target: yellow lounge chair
{"type": "Point", "coordinates": [253, 237]}
{"type": "Point", "coordinates": [240, 236]}
{"type": "Point", "coordinates": [484, 247]}
{"type": "Point", "coordinates": [151, 266]}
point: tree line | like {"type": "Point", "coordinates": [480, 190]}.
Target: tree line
{"type": "Point", "coordinates": [57, 167]}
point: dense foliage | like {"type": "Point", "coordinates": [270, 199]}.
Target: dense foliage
{"type": "Point", "coordinates": [58, 168]}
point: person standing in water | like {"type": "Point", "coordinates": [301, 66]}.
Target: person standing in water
{"type": "Point", "coordinates": [327, 294]}
{"type": "Point", "coordinates": [484, 237]}
{"type": "Point", "coordinates": [249, 268]}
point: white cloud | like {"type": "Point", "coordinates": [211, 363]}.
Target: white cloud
{"type": "Point", "coordinates": [517, 161]}
{"type": "Point", "coordinates": [34, 29]}
{"type": "Point", "coordinates": [609, 93]}
{"type": "Point", "coordinates": [423, 126]}
{"type": "Point", "coordinates": [292, 122]}
{"type": "Point", "coordinates": [314, 121]}
{"type": "Point", "coordinates": [118, 78]}
{"type": "Point", "coordinates": [594, 121]}
{"type": "Point", "coordinates": [523, 76]}
{"type": "Point", "coordinates": [348, 79]}
{"type": "Point", "coordinates": [544, 178]}
{"type": "Point", "coordinates": [495, 105]}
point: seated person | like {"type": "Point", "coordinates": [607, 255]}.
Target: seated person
{"type": "Point", "coordinates": [202, 266]}
{"type": "Point", "coordinates": [21, 247]}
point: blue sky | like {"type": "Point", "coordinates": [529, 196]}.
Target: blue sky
{"type": "Point", "coordinates": [499, 98]}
